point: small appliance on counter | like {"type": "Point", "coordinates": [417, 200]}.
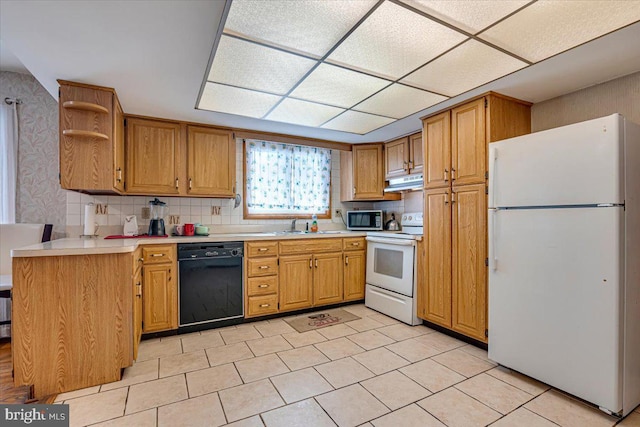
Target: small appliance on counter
{"type": "Point", "coordinates": [392, 224]}
{"type": "Point", "coordinates": [365, 220]}
{"type": "Point", "coordinates": [157, 212]}
{"type": "Point", "coordinates": [130, 226]}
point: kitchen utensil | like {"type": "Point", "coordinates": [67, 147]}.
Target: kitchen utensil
{"type": "Point", "coordinates": [201, 230]}
{"type": "Point", "coordinates": [237, 201]}
{"type": "Point", "coordinates": [189, 229]}
{"type": "Point", "coordinates": [157, 211]}
{"type": "Point", "coordinates": [392, 224]}
{"type": "Point", "coordinates": [130, 225]}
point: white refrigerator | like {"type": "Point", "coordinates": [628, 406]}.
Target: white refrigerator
{"type": "Point", "coordinates": [564, 259]}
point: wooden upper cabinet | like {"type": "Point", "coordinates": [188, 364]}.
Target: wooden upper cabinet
{"type": "Point", "coordinates": [118, 149]}
{"type": "Point", "coordinates": [368, 179]}
{"type": "Point", "coordinates": [396, 157]}
{"type": "Point", "coordinates": [468, 143]}
{"type": "Point", "coordinates": [437, 150]}
{"type": "Point", "coordinates": [416, 158]}
{"type": "Point", "coordinates": [211, 162]}
{"type": "Point", "coordinates": [153, 157]}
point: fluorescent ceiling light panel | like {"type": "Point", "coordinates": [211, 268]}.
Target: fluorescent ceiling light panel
{"type": "Point", "coordinates": [547, 28]}
{"type": "Point", "coordinates": [356, 122]}
{"type": "Point", "coordinates": [393, 41]}
{"type": "Point", "coordinates": [232, 100]}
{"type": "Point", "coordinates": [470, 65]}
{"type": "Point", "coordinates": [309, 26]}
{"type": "Point", "coordinates": [303, 112]}
{"type": "Point", "coordinates": [251, 66]}
{"type": "Point", "coordinates": [471, 16]}
{"type": "Point", "coordinates": [399, 101]}
{"type": "Point", "coordinates": [337, 86]}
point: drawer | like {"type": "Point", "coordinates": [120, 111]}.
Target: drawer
{"type": "Point", "coordinates": [261, 249]}
{"type": "Point", "coordinates": [262, 266]}
{"type": "Point", "coordinates": [353, 243]}
{"type": "Point", "coordinates": [262, 285]}
{"type": "Point", "coordinates": [158, 254]}
{"type": "Point", "coordinates": [262, 305]}
{"type": "Point", "coordinates": [310, 245]}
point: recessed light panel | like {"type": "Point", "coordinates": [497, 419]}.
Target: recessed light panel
{"type": "Point", "coordinates": [471, 16]}
{"type": "Point", "coordinates": [468, 66]}
{"type": "Point", "coordinates": [248, 65]}
{"type": "Point", "coordinates": [309, 26]}
{"type": "Point", "coordinates": [337, 86]}
{"type": "Point", "coordinates": [356, 122]}
{"type": "Point", "coordinates": [399, 101]}
{"type": "Point", "coordinates": [394, 41]}
{"type": "Point", "coordinates": [303, 112]}
{"type": "Point", "coordinates": [233, 100]}
{"type": "Point", "coordinates": [547, 27]}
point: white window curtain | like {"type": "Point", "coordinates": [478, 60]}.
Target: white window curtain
{"type": "Point", "coordinates": [8, 162]}
{"type": "Point", "coordinates": [284, 178]}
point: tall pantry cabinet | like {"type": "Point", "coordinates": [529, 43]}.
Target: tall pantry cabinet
{"type": "Point", "coordinates": [454, 291]}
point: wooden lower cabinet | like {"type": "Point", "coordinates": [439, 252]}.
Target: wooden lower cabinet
{"type": "Point", "coordinates": [296, 282]}
{"type": "Point", "coordinates": [327, 278]}
{"type": "Point", "coordinates": [137, 301]}
{"type": "Point", "coordinates": [354, 270]}
{"type": "Point", "coordinates": [160, 298]}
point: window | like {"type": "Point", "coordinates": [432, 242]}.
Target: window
{"type": "Point", "coordinates": [284, 180]}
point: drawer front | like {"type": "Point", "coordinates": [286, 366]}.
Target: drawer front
{"type": "Point", "coordinates": [354, 243]}
{"type": "Point", "coordinates": [262, 305]}
{"type": "Point", "coordinates": [262, 285]}
{"type": "Point", "coordinates": [261, 249]}
{"type": "Point", "coordinates": [158, 254]}
{"type": "Point", "coordinates": [262, 267]}
{"type": "Point", "coordinates": [306, 246]}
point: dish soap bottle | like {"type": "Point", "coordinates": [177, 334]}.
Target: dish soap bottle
{"type": "Point", "coordinates": [314, 223]}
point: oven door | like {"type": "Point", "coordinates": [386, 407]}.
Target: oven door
{"type": "Point", "coordinates": [390, 264]}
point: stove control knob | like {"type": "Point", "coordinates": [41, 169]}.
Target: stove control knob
{"type": "Point", "coordinates": [410, 218]}
{"type": "Point", "coordinates": [235, 252]}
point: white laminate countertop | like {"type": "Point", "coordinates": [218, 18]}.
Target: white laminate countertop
{"type": "Point", "coordinates": [72, 246]}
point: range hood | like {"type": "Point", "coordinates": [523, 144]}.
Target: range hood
{"type": "Point", "coordinates": [405, 183]}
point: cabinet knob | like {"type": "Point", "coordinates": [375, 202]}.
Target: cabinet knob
{"type": "Point", "coordinates": [263, 249]}
{"type": "Point", "coordinates": [310, 263]}
{"type": "Point", "coordinates": [263, 267]}
{"type": "Point", "coordinates": [264, 305]}
{"type": "Point", "coordinates": [156, 255]}
{"type": "Point", "coordinates": [263, 286]}
{"type": "Point", "coordinates": [354, 191]}
{"type": "Point", "coordinates": [355, 244]}
{"type": "Point", "coordinates": [453, 176]}
{"type": "Point", "coordinates": [316, 263]}
{"type": "Point", "coordinates": [176, 183]}
{"type": "Point", "coordinates": [446, 197]}
{"type": "Point", "coordinates": [346, 260]}
{"type": "Point", "coordinates": [119, 174]}
{"type": "Point", "coordinates": [446, 177]}
{"type": "Point", "coordinates": [190, 184]}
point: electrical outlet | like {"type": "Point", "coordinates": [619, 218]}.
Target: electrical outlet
{"type": "Point", "coordinates": [174, 219]}
{"type": "Point", "coordinates": [146, 214]}
{"type": "Point", "coordinates": [338, 212]}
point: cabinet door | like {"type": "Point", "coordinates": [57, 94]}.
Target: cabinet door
{"type": "Point", "coordinates": [434, 296]}
{"type": "Point", "coordinates": [396, 158]}
{"type": "Point", "coordinates": [437, 150]}
{"type": "Point", "coordinates": [159, 298]}
{"type": "Point", "coordinates": [137, 310]}
{"type": "Point", "coordinates": [468, 144]}
{"type": "Point", "coordinates": [211, 162]}
{"type": "Point", "coordinates": [368, 179]}
{"type": "Point", "coordinates": [327, 278]}
{"type": "Point", "coordinates": [296, 278]}
{"type": "Point", "coordinates": [416, 159]}
{"type": "Point", "coordinates": [469, 284]}
{"type": "Point", "coordinates": [354, 270]}
{"type": "Point", "coordinates": [118, 146]}
{"type": "Point", "coordinates": [153, 157]}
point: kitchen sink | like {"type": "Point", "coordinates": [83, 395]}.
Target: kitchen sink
{"type": "Point", "coordinates": [333, 232]}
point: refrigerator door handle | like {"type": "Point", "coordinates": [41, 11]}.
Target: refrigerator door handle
{"type": "Point", "coordinates": [493, 160]}
{"type": "Point", "coordinates": [493, 257]}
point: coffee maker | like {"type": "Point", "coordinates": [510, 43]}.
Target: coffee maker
{"type": "Point", "coordinates": [156, 210]}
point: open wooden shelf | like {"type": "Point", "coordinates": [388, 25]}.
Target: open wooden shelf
{"type": "Point", "coordinates": [85, 133]}
{"type": "Point", "coordinates": [88, 106]}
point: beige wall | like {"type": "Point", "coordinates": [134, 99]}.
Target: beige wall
{"type": "Point", "coordinates": [621, 95]}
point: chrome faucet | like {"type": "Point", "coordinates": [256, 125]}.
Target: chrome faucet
{"type": "Point", "coordinates": [293, 224]}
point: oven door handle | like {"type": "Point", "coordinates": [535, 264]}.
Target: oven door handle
{"type": "Point", "coordinates": [392, 241]}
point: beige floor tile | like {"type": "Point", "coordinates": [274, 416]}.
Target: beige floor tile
{"type": "Point", "coordinates": [631, 420]}
{"type": "Point", "coordinates": [351, 406]}
{"type": "Point", "coordinates": [413, 350]}
{"type": "Point", "coordinates": [181, 363]}
{"type": "Point", "coordinates": [364, 324]}
{"type": "Point", "coordinates": [268, 345]}
{"type": "Point", "coordinates": [176, 336]}
{"type": "Point", "coordinates": [209, 339]}
{"type": "Point", "coordinates": [138, 373]}
{"type": "Point", "coordinates": [440, 341]}
{"type": "Point", "coordinates": [339, 348]}
{"type": "Point", "coordinates": [303, 357]}
{"type": "Point", "coordinates": [212, 379]}
{"type": "Point", "coordinates": [260, 367]}
{"type": "Point", "coordinates": [304, 339]}
{"type": "Point", "coordinates": [494, 393]}
{"type": "Point", "coordinates": [381, 360]}
{"type": "Point", "coordinates": [239, 334]}
{"type": "Point", "coordinates": [77, 393]}
{"type": "Point", "coordinates": [154, 349]}
{"type": "Point", "coordinates": [409, 416]}
{"type": "Point", "coordinates": [462, 362]}
{"type": "Point", "coordinates": [204, 411]}
{"type": "Point", "coordinates": [359, 310]}
{"type": "Point", "coordinates": [300, 385]}
{"type": "Point", "coordinates": [156, 393]}
{"type": "Point", "coordinates": [249, 399]}
{"type": "Point", "coordinates": [303, 414]}
{"type": "Point", "coordinates": [248, 422]}
{"type": "Point", "coordinates": [568, 412]}
{"type": "Point", "coordinates": [395, 389]}
{"type": "Point", "coordinates": [344, 372]}
{"type": "Point", "coordinates": [336, 331]}
{"type": "Point", "coordinates": [477, 352]}
{"type": "Point", "coordinates": [432, 375]}
{"type": "Point", "coordinates": [385, 320]}
{"type": "Point", "coordinates": [523, 417]}
{"type": "Point", "coordinates": [401, 331]}
{"type": "Point", "coordinates": [146, 418]}
{"type": "Point", "coordinates": [516, 379]}
{"type": "Point", "coordinates": [456, 409]}
{"type": "Point", "coordinates": [370, 339]}
{"type": "Point", "coordinates": [97, 407]}
{"type": "Point", "coordinates": [228, 353]}
{"type": "Point", "coordinates": [274, 328]}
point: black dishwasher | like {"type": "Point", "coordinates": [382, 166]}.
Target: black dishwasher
{"type": "Point", "coordinates": [211, 288]}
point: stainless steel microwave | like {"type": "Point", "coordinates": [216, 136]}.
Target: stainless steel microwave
{"type": "Point", "coordinates": [364, 220]}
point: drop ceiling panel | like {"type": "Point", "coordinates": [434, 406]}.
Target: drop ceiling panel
{"type": "Point", "coordinates": [232, 100]}
{"type": "Point", "coordinates": [468, 66]}
{"type": "Point", "coordinates": [303, 113]}
{"type": "Point", "coordinates": [548, 27]}
{"type": "Point", "coordinates": [356, 122]}
{"type": "Point", "coordinates": [394, 41]}
{"type": "Point", "coordinates": [399, 101]}
{"type": "Point", "coordinates": [309, 26]}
